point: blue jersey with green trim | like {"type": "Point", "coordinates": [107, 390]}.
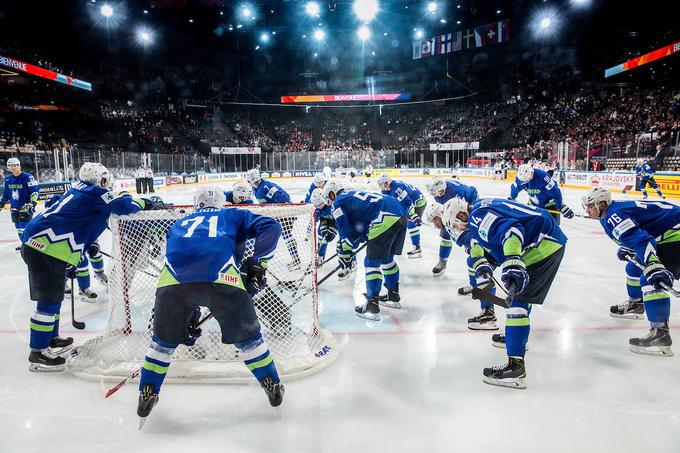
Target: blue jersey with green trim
{"type": "Point", "coordinates": [493, 221]}
{"type": "Point", "coordinates": [325, 213]}
{"type": "Point", "coordinates": [455, 189]}
{"type": "Point", "coordinates": [542, 190]}
{"type": "Point", "coordinates": [268, 192]}
{"type": "Point", "coordinates": [19, 190]}
{"type": "Point", "coordinates": [644, 171]}
{"type": "Point", "coordinates": [405, 194]}
{"type": "Point", "coordinates": [208, 244]}
{"type": "Point", "coordinates": [229, 195]}
{"type": "Point", "coordinates": [308, 197]}
{"type": "Point", "coordinates": [72, 224]}
{"type": "Point", "coordinates": [639, 225]}
{"type": "Point", "coordinates": [356, 212]}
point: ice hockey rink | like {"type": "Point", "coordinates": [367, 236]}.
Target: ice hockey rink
{"type": "Point", "coordinates": [409, 383]}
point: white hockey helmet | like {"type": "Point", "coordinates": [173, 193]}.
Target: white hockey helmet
{"type": "Point", "coordinates": [437, 186]}
{"type": "Point", "coordinates": [383, 179]}
{"type": "Point", "coordinates": [451, 210]}
{"type": "Point", "coordinates": [317, 199]}
{"type": "Point", "coordinates": [525, 173]}
{"type": "Point", "coordinates": [320, 179]}
{"type": "Point", "coordinates": [595, 196]}
{"type": "Point", "coordinates": [253, 175]}
{"type": "Point", "coordinates": [241, 192]}
{"type": "Point", "coordinates": [640, 161]}
{"type": "Point", "coordinates": [13, 161]}
{"type": "Point", "coordinates": [331, 187]}
{"type": "Point", "coordinates": [436, 210]}
{"type": "Point", "coordinates": [95, 173]}
{"type": "Point", "coordinates": [209, 197]}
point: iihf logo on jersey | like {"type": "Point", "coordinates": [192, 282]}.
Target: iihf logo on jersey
{"type": "Point", "coordinates": [230, 279]}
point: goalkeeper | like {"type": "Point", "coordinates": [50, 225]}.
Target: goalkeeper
{"type": "Point", "coordinates": [216, 236]}
{"type": "Point", "coordinates": [21, 190]}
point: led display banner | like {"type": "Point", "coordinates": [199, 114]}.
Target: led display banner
{"type": "Point", "coordinates": [44, 73]}
{"type": "Point", "coordinates": [644, 59]}
{"type": "Point", "coordinates": [346, 97]}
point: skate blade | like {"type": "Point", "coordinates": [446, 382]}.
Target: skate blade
{"type": "Point", "coordinates": [438, 274]}
{"type": "Point", "coordinates": [368, 316]}
{"type": "Point", "coordinates": [88, 300]}
{"type": "Point", "coordinates": [659, 351]}
{"type": "Point", "coordinates": [142, 421]}
{"type": "Point", "coordinates": [416, 256]}
{"type": "Point", "coordinates": [628, 316]}
{"type": "Point", "coordinates": [40, 368]}
{"type": "Point", "coordinates": [502, 346]}
{"type": "Point", "coordinates": [511, 383]}
{"type": "Point", "coordinates": [389, 304]}
{"type": "Point", "coordinates": [486, 326]}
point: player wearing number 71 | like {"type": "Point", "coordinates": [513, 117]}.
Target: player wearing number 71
{"type": "Point", "coordinates": [648, 234]}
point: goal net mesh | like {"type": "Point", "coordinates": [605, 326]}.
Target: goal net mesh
{"type": "Point", "coordinates": [287, 307]}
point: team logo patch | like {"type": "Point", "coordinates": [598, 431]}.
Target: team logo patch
{"type": "Point", "coordinates": [108, 197]}
{"type": "Point", "coordinates": [623, 227]}
{"type": "Point", "coordinates": [486, 225]}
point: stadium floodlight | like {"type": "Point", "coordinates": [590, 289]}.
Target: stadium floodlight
{"type": "Point", "coordinates": [106, 10]}
{"type": "Point", "coordinates": [246, 12]}
{"type": "Point", "coordinates": [313, 9]}
{"type": "Point", "coordinates": [264, 37]}
{"type": "Point", "coordinates": [546, 23]}
{"type": "Point", "coordinates": [144, 36]}
{"type": "Point", "coordinates": [365, 9]}
{"type": "Point", "coordinates": [419, 34]}
{"type": "Point", "coordinates": [432, 7]}
{"type": "Point", "coordinates": [319, 34]}
{"type": "Point", "coordinates": [364, 33]}
{"type": "Point", "coordinates": [580, 3]}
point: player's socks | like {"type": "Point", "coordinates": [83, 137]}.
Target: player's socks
{"type": "Point", "coordinates": [445, 246]}
{"type": "Point", "coordinates": [374, 277]}
{"type": "Point", "coordinates": [258, 359]}
{"type": "Point", "coordinates": [517, 329]}
{"type": "Point", "coordinates": [42, 324]}
{"type": "Point", "coordinates": [156, 364]}
{"type": "Point", "coordinates": [644, 193]}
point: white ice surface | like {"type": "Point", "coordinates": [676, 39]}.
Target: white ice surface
{"type": "Point", "coordinates": [410, 383]}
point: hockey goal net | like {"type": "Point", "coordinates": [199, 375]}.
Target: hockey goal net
{"type": "Point", "coordinates": [287, 307]}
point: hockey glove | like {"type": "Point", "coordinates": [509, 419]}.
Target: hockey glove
{"type": "Point", "coordinates": [93, 250]}
{"type": "Point", "coordinates": [256, 277]}
{"type": "Point", "coordinates": [417, 221]}
{"type": "Point", "coordinates": [657, 275]}
{"type": "Point", "coordinates": [70, 272]}
{"type": "Point", "coordinates": [153, 205]}
{"type": "Point", "coordinates": [625, 254]}
{"type": "Point", "coordinates": [483, 269]}
{"type": "Point", "coordinates": [194, 331]}
{"type": "Point", "coordinates": [28, 208]}
{"type": "Point", "coordinates": [567, 212]}
{"type": "Point", "coordinates": [514, 273]}
{"type": "Point", "coordinates": [327, 235]}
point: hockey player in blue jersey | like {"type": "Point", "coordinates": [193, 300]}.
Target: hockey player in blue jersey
{"type": "Point", "coordinates": [380, 221]}
{"type": "Point", "coordinates": [442, 191]}
{"type": "Point", "coordinates": [318, 183]}
{"type": "Point", "coordinates": [413, 202]}
{"type": "Point", "coordinates": [543, 191]}
{"type": "Point", "coordinates": [21, 191]}
{"type": "Point", "coordinates": [648, 234]}
{"type": "Point", "coordinates": [185, 284]}
{"type": "Point", "coordinates": [57, 238]}
{"type": "Point", "coordinates": [240, 193]}
{"type": "Point", "coordinates": [486, 319]}
{"type": "Point", "coordinates": [267, 192]}
{"type": "Point", "coordinates": [528, 246]}
{"type": "Point", "coordinates": [326, 229]}
{"type": "Point", "coordinates": [646, 174]}
{"type": "Point", "coordinates": [82, 270]}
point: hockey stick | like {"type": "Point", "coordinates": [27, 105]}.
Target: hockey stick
{"type": "Point", "coordinates": [339, 266]}
{"type": "Point", "coordinates": [117, 387]}
{"type": "Point", "coordinates": [483, 294]}
{"type": "Point", "coordinates": [76, 324]}
{"type": "Point", "coordinates": [670, 289]}
{"type": "Point", "coordinates": [583, 216]}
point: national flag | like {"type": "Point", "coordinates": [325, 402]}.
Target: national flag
{"type": "Point", "coordinates": [468, 39]}
{"type": "Point", "coordinates": [457, 41]}
{"type": "Point", "coordinates": [486, 34]}
{"type": "Point", "coordinates": [417, 50]}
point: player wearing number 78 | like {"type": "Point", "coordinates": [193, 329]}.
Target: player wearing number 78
{"type": "Point", "coordinates": [528, 245]}
{"type": "Point", "coordinates": [203, 269]}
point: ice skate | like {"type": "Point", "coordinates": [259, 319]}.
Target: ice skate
{"type": "Point", "coordinates": [147, 401]}
{"type": "Point", "coordinates": [391, 299]}
{"type": "Point", "coordinates": [630, 309]}
{"type": "Point", "coordinates": [273, 390]}
{"type": "Point", "coordinates": [101, 278]}
{"type": "Point", "coordinates": [87, 295]}
{"type": "Point", "coordinates": [370, 310]}
{"type": "Point", "coordinates": [465, 290]}
{"type": "Point", "coordinates": [344, 273]}
{"type": "Point", "coordinates": [439, 269]}
{"type": "Point", "coordinates": [60, 346]}
{"type": "Point", "coordinates": [509, 375]}
{"type": "Point", "coordinates": [657, 342]}
{"type": "Point", "coordinates": [485, 320]}
{"type": "Point", "coordinates": [18, 249]}
{"type": "Point", "coordinates": [42, 360]}
{"type": "Point", "coordinates": [417, 252]}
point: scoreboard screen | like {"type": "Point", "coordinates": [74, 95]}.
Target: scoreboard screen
{"type": "Point", "coordinates": [346, 97]}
